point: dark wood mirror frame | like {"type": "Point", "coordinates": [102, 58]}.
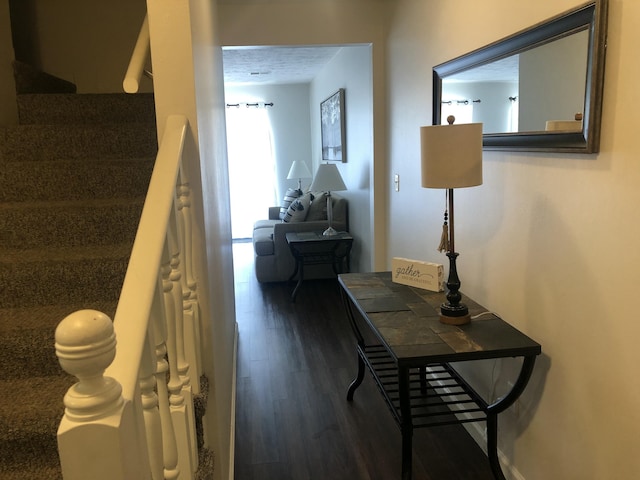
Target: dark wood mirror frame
{"type": "Point", "coordinates": [592, 16]}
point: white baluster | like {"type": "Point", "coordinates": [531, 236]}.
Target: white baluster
{"type": "Point", "coordinates": [96, 418]}
{"type": "Point", "coordinates": [169, 441]}
{"type": "Point", "coordinates": [177, 276]}
{"type": "Point", "coordinates": [152, 421]}
{"type": "Point", "coordinates": [180, 413]}
{"type": "Point", "coordinates": [190, 297]}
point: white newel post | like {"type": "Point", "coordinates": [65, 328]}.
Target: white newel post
{"type": "Point", "coordinates": [97, 437]}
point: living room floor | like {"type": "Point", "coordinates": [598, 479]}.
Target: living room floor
{"type": "Point", "coordinates": [293, 422]}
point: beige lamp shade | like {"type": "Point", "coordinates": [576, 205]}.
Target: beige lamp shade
{"type": "Point", "coordinates": [298, 170]}
{"type": "Point", "coordinates": [327, 179]}
{"type": "Point", "coordinates": [451, 155]}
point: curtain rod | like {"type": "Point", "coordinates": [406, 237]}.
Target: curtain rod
{"type": "Point", "coordinates": [256, 105]}
{"type": "Point", "coordinates": [461, 102]}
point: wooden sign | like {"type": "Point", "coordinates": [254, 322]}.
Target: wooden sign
{"type": "Point", "coordinates": [414, 273]}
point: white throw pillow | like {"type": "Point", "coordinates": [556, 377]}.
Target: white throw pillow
{"type": "Point", "coordinates": [298, 210]}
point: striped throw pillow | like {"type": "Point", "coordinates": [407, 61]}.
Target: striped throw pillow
{"type": "Point", "coordinates": [289, 197]}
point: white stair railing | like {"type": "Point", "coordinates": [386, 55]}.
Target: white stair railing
{"type": "Point", "coordinates": [135, 70]}
{"type": "Point", "coordinates": [131, 414]}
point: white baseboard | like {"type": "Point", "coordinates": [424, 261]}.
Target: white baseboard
{"type": "Point", "coordinates": [232, 433]}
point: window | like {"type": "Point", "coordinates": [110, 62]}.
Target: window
{"type": "Point", "coordinates": [251, 167]}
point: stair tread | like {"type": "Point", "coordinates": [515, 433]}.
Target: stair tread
{"type": "Point", "coordinates": [62, 204]}
{"type": "Point", "coordinates": [37, 396]}
{"type": "Point", "coordinates": [64, 254]}
{"type": "Point", "coordinates": [46, 316]}
{"type": "Point", "coordinates": [89, 107]}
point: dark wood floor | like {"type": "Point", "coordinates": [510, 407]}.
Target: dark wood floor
{"type": "Point", "coordinates": [293, 422]}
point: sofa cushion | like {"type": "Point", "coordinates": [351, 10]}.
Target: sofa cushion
{"type": "Point", "coordinates": [298, 210]}
{"type": "Point", "coordinates": [265, 223]}
{"type": "Point", "coordinates": [289, 197]}
{"type": "Point", "coordinates": [318, 208]}
{"type": "Point", "coordinates": [263, 241]}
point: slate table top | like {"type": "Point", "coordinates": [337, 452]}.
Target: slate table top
{"type": "Point", "coordinates": [407, 321]}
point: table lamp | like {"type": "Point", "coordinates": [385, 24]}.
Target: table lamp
{"type": "Point", "coordinates": [328, 179]}
{"type": "Point", "coordinates": [299, 170]}
{"type": "Point", "coordinates": [451, 158]}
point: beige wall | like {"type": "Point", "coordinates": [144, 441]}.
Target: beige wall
{"type": "Point", "coordinates": [87, 43]}
{"type": "Point", "coordinates": [351, 69]}
{"type": "Point", "coordinates": [320, 22]}
{"type": "Point", "coordinates": [9, 110]}
{"type": "Point", "coordinates": [550, 241]}
{"type": "Point", "coordinates": [187, 62]}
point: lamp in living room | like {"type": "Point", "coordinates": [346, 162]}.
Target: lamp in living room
{"type": "Point", "coordinates": [299, 170]}
{"type": "Point", "coordinates": [328, 179]}
{"type": "Point", "coordinates": [451, 158]}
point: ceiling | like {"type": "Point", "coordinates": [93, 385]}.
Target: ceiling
{"type": "Point", "coordinates": [274, 65]}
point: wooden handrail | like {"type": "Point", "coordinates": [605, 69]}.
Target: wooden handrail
{"type": "Point", "coordinates": [131, 82]}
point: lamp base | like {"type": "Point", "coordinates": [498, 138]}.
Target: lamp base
{"type": "Point", "coordinates": [330, 232]}
{"type": "Point", "coordinates": [463, 320]}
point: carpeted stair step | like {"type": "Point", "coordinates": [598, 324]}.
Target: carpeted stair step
{"type": "Point", "coordinates": [50, 142]}
{"type": "Point", "coordinates": [27, 337]}
{"type": "Point", "coordinates": [74, 179]}
{"type": "Point", "coordinates": [69, 224]}
{"type": "Point", "coordinates": [28, 443]}
{"type": "Point", "coordinates": [86, 108]}
{"type": "Point", "coordinates": [62, 276]}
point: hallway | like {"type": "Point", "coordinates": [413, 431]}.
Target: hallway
{"type": "Point", "coordinates": [295, 362]}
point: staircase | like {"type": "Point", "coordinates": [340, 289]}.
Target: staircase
{"type": "Point", "coordinates": [73, 177]}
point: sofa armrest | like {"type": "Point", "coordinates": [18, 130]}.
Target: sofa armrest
{"type": "Point", "coordinates": [274, 213]}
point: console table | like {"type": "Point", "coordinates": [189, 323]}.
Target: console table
{"type": "Point", "coordinates": [309, 248]}
{"type": "Point", "coordinates": [411, 356]}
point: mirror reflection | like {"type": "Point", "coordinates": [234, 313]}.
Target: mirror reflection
{"type": "Point", "coordinates": [541, 89]}
{"type": "Point", "coordinates": [537, 90]}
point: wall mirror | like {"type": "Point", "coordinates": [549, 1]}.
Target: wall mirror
{"type": "Point", "coordinates": [537, 90]}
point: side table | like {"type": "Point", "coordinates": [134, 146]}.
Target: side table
{"type": "Point", "coordinates": [412, 355]}
{"type": "Point", "coordinates": [312, 248]}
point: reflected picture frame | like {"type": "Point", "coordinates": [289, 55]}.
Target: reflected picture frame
{"type": "Point", "coordinates": [332, 128]}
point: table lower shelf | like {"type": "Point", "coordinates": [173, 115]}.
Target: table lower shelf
{"type": "Point", "coordinates": [438, 395]}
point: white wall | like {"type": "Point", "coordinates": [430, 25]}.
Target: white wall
{"type": "Point", "coordinates": [550, 241]}
{"type": "Point", "coordinates": [559, 94]}
{"type": "Point", "coordinates": [290, 125]}
{"type": "Point", "coordinates": [351, 69]}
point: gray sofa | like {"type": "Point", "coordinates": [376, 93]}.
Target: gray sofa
{"type": "Point", "coordinates": [273, 259]}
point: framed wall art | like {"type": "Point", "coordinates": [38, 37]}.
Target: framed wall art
{"type": "Point", "coordinates": [332, 127]}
